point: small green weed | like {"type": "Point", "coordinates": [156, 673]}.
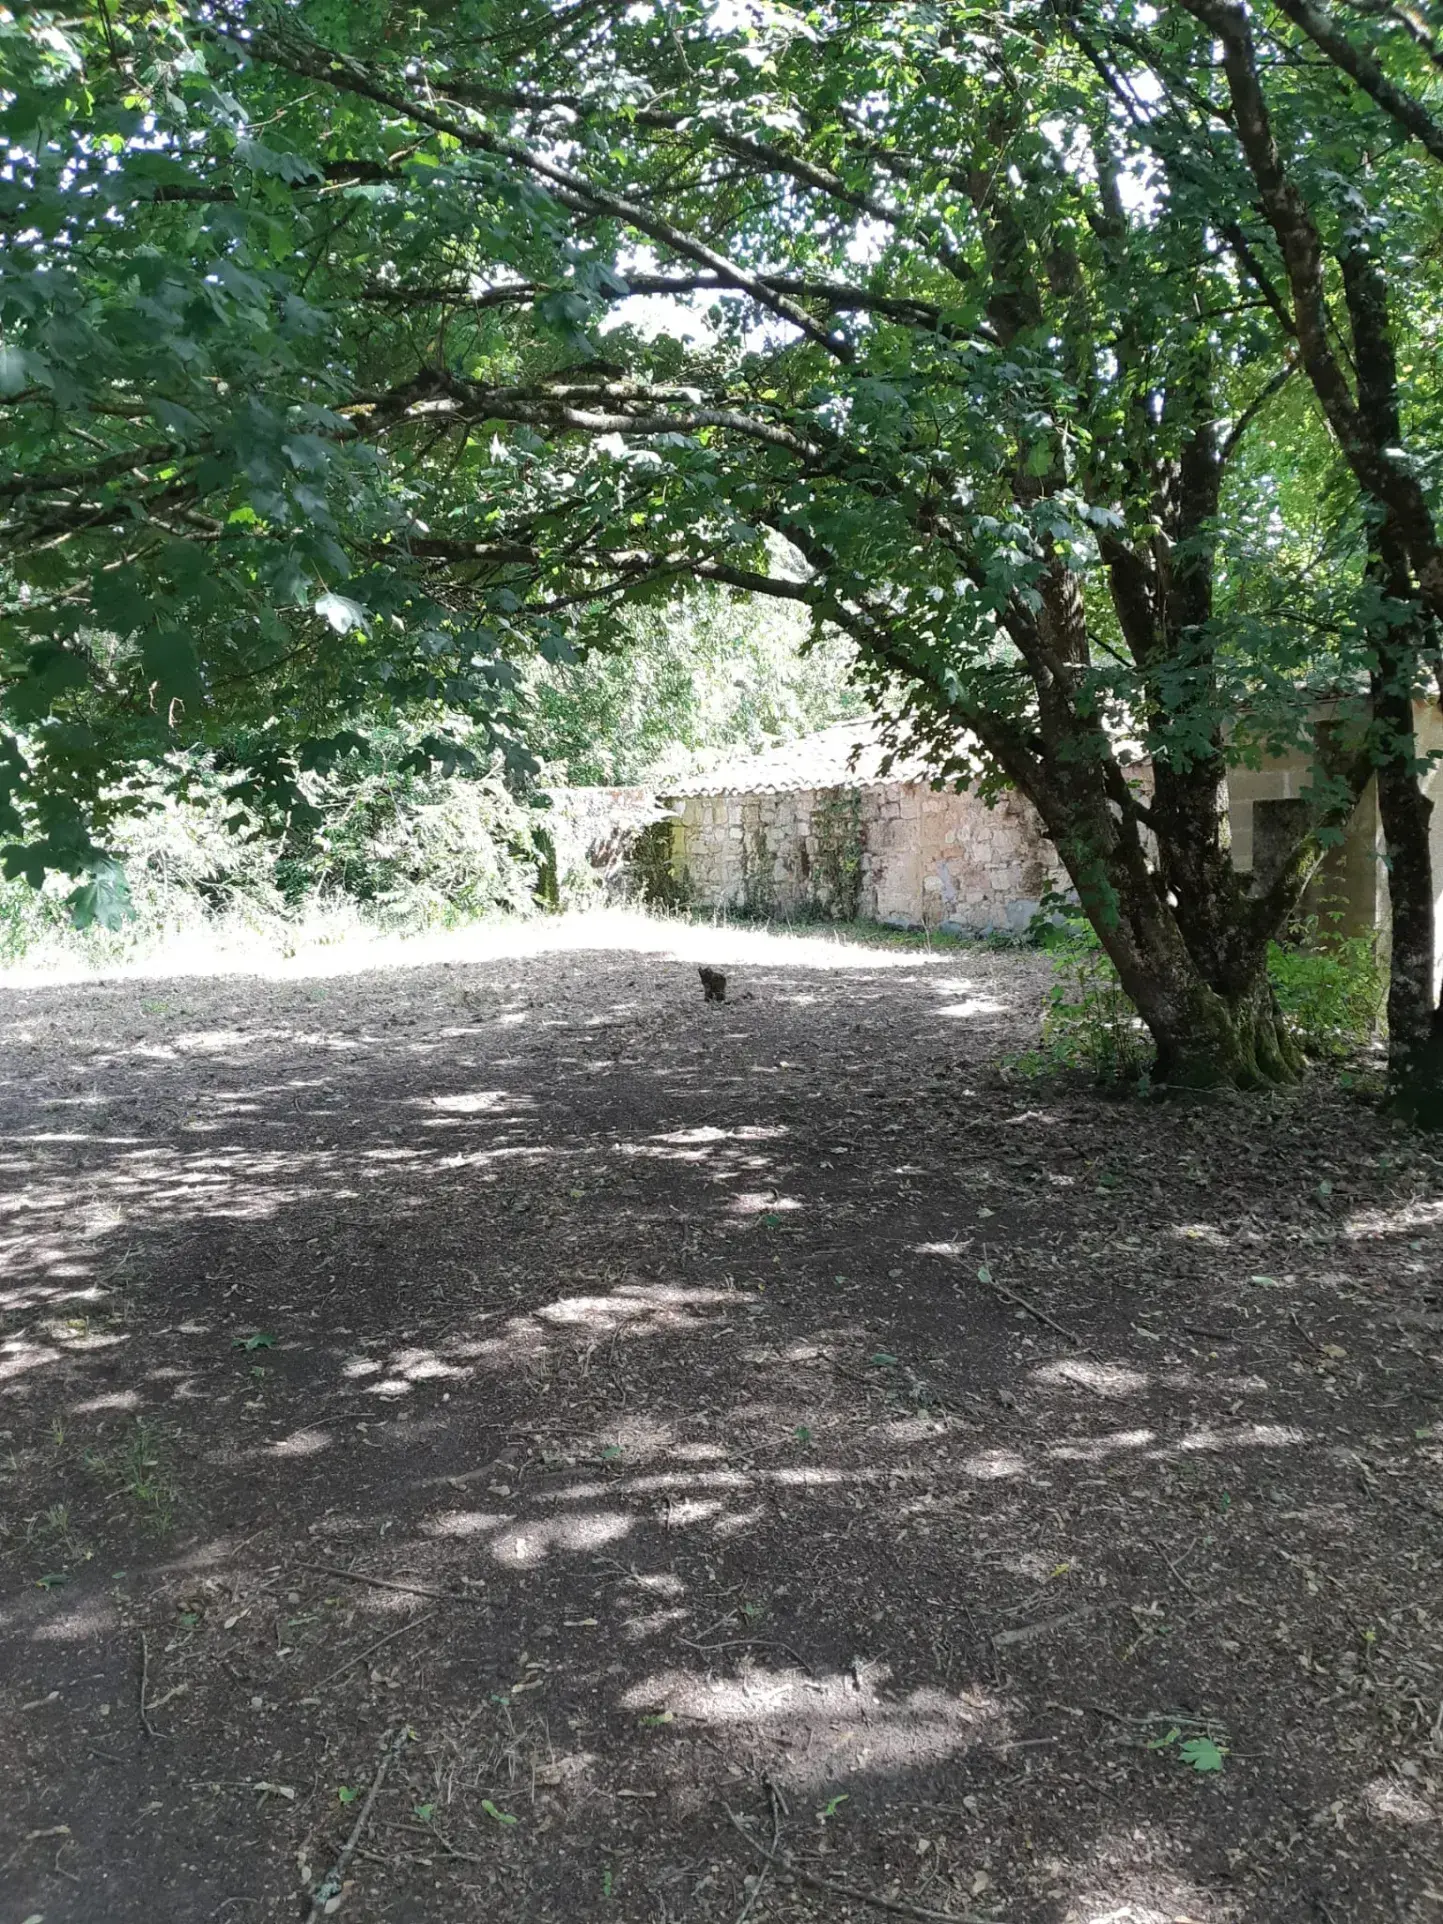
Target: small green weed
{"type": "Point", "coordinates": [135, 1468]}
{"type": "Point", "coordinates": [1330, 989]}
{"type": "Point", "coordinates": [1206, 1755]}
{"type": "Point", "coordinates": [1089, 1022]}
{"type": "Point", "coordinates": [53, 1530]}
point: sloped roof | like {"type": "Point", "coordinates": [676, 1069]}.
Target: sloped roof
{"type": "Point", "coordinates": [846, 755]}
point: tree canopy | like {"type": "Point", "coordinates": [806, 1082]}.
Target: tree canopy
{"type": "Point", "coordinates": [357, 354]}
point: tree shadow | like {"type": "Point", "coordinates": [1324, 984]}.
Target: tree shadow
{"type": "Point", "coordinates": [663, 1410]}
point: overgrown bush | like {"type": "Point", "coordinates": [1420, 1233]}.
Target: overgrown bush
{"type": "Point", "coordinates": [1089, 1022]}
{"type": "Point", "coordinates": [388, 847]}
{"type": "Point", "coordinates": [1329, 988]}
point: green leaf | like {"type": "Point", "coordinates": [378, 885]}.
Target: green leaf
{"type": "Point", "coordinates": [497, 1816]}
{"type": "Point", "coordinates": [262, 1339]}
{"type": "Point", "coordinates": [14, 370]}
{"type": "Point", "coordinates": [104, 899]}
{"type": "Point", "coordinates": [1202, 1754]}
{"type": "Point", "coordinates": [342, 613]}
{"type": "Point", "coordinates": [347, 1795]}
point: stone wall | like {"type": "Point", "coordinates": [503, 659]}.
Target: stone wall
{"type": "Point", "coordinates": [894, 852]}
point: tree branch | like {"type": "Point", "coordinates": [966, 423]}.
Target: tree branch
{"type": "Point", "coordinates": [571, 189]}
{"type": "Point", "coordinates": [1322, 28]}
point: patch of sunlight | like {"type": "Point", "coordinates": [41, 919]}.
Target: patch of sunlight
{"type": "Point", "coordinates": [828, 1727]}
{"type": "Point", "coordinates": [326, 949]}
{"type": "Point", "coordinates": [756, 1132]}
{"type": "Point", "coordinates": [1201, 1233]}
{"type": "Point", "coordinates": [1394, 1802]}
{"type": "Point", "coordinates": [1262, 1436]}
{"type": "Point", "coordinates": [637, 1629]}
{"type": "Point", "coordinates": [473, 1104]}
{"type": "Point", "coordinates": [1406, 1221]}
{"type": "Point", "coordinates": [302, 1443]}
{"type": "Point", "coordinates": [662, 1304]}
{"type": "Point", "coordinates": [738, 1523]}
{"type": "Point", "coordinates": [1129, 1877]}
{"type": "Point", "coordinates": [973, 1006]}
{"type": "Point", "coordinates": [525, 1544]}
{"type": "Point", "coordinates": [1095, 1448]}
{"type": "Point", "coordinates": [759, 1202]}
{"type": "Point", "coordinates": [991, 1466]}
{"type": "Point", "coordinates": [113, 1400]}
{"type": "Point", "coordinates": [87, 1620]}
{"type": "Point", "coordinates": [17, 1356]}
{"type": "Point", "coordinates": [465, 1523]}
{"type": "Point", "coordinates": [212, 1041]}
{"type": "Point", "coordinates": [694, 1509]}
{"type": "Point", "coordinates": [418, 1365]}
{"type": "Point", "coordinates": [662, 1584]}
{"type": "Point", "coordinates": [1107, 1379]}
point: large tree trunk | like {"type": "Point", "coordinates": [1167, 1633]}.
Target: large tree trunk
{"type": "Point", "coordinates": [1224, 1032]}
{"type": "Point", "coordinates": [1415, 1023]}
{"type": "Point", "coordinates": [1207, 1036]}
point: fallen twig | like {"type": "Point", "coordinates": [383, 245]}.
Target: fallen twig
{"type": "Point", "coordinates": [762, 1874]}
{"type": "Point", "coordinates": [1012, 1296]}
{"type": "Point", "coordinates": [331, 1884]}
{"type": "Point", "coordinates": [446, 1849]}
{"type": "Point", "coordinates": [34, 1837]}
{"type": "Point", "coordinates": [413, 1623]}
{"type": "Point", "coordinates": [1179, 1575]}
{"type": "Point", "coordinates": [784, 1862]}
{"type": "Point", "coordinates": [389, 1583]}
{"type": "Point", "coordinates": [1030, 1632]}
{"type": "Point", "coordinates": [146, 1725]}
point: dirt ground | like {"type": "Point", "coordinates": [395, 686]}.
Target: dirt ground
{"type": "Point", "coordinates": [574, 1413]}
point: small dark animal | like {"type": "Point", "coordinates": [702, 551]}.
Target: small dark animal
{"type": "Point", "coordinates": [713, 985]}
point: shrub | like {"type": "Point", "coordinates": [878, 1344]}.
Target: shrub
{"type": "Point", "coordinates": [1089, 1022]}
{"type": "Point", "coordinates": [388, 847]}
{"type": "Point", "coordinates": [1330, 990]}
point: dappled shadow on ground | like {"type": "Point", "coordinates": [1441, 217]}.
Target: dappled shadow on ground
{"type": "Point", "coordinates": [702, 1427]}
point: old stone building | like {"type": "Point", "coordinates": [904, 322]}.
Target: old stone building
{"type": "Point", "coordinates": [817, 828]}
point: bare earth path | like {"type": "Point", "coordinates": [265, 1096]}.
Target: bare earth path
{"type": "Point", "coordinates": [587, 1400]}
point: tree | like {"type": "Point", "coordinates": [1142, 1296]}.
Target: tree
{"type": "Point", "coordinates": [1349, 192]}
{"type": "Point", "coordinates": [949, 317]}
{"type": "Point", "coordinates": [679, 681]}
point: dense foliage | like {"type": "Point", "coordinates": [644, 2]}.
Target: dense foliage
{"type": "Point", "coordinates": [676, 687]}
{"type": "Point", "coordinates": [356, 355]}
